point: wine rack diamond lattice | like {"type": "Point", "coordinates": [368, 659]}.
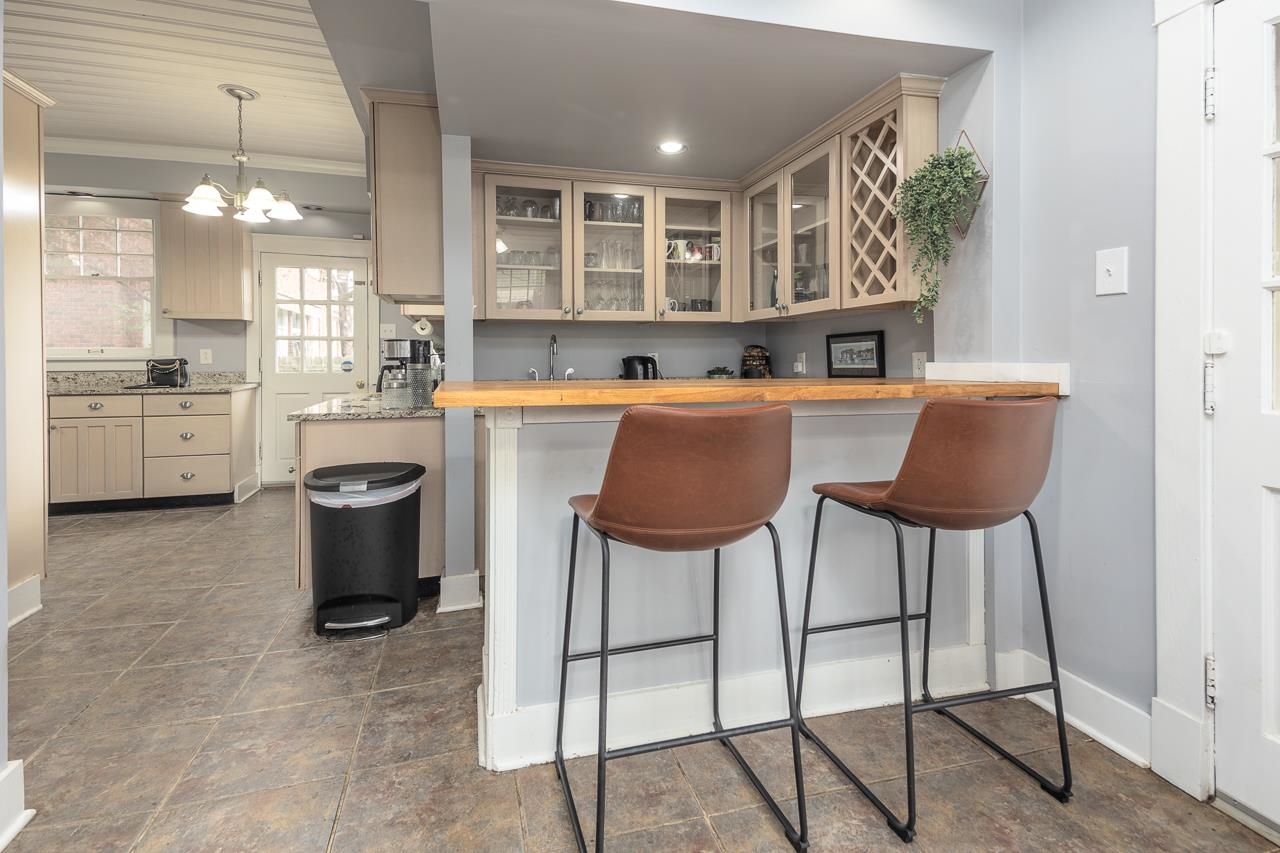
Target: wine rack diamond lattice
{"type": "Point", "coordinates": [873, 238]}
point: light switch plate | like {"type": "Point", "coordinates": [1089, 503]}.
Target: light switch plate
{"type": "Point", "coordinates": [206, 356]}
{"type": "Point", "coordinates": [918, 360]}
{"type": "Point", "coordinates": [1111, 271]}
{"type": "Point", "coordinates": [801, 365]}
{"type": "Point", "coordinates": [387, 330]}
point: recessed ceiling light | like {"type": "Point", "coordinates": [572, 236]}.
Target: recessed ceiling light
{"type": "Point", "coordinates": [796, 206]}
{"type": "Point", "coordinates": [672, 146]}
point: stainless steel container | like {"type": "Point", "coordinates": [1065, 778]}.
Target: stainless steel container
{"type": "Point", "coordinates": [422, 379]}
{"type": "Point", "coordinates": [395, 393]}
{"type": "Point", "coordinates": [395, 349]}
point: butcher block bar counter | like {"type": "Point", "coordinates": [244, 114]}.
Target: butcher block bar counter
{"type": "Point", "coordinates": [549, 440]}
{"type": "Point", "coordinates": [591, 392]}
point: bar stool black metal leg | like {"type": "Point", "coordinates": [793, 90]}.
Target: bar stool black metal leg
{"type": "Point", "coordinates": [906, 829]}
{"type": "Point", "coordinates": [601, 758]}
{"type": "Point", "coordinates": [561, 773]}
{"type": "Point", "coordinates": [1063, 791]}
{"type": "Point", "coordinates": [928, 618]}
{"type": "Point", "coordinates": [793, 695]}
{"type": "Point", "coordinates": [808, 604]}
{"type": "Point", "coordinates": [715, 643]}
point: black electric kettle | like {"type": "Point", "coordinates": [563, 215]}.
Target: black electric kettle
{"type": "Point", "coordinates": [639, 367]}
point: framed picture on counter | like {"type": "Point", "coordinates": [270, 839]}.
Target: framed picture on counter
{"type": "Point", "coordinates": [855, 354]}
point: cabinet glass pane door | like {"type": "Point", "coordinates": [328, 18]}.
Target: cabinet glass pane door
{"type": "Point", "coordinates": [811, 196]}
{"type": "Point", "coordinates": [529, 249]}
{"type": "Point", "coordinates": [693, 255]}
{"type": "Point", "coordinates": [762, 232]}
{"type": "Point", "coordinates": [613, 253]}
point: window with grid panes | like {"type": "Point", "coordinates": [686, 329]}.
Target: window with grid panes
{"type": "Point", "coordinates": [315, 319]}
{"type": "Point", "coordinates": [99, 286]}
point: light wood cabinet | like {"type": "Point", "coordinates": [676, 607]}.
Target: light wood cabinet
{"type": "Point", "coordinates": [407, 200]}
{"type": "Point", "coordinates": [205, 266]}
{"type": "Point", "coordinates": [766, 265]}
{"type": "Point", "coordinates": [95, 459]}
{"type": "Point", "coordinates": [693, 255]}
{"type": "Point", "coordinates": [811, 222]}
{"type": "Point", "coordinates": [529, 220]}
{"type": "Point", "coordinates": [613, 252]}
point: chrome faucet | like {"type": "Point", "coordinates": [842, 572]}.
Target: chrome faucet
{"type": "Point", "coordinates": [555, 347]}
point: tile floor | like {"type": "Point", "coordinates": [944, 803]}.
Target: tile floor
{"type": "Point", "coordinates": [171, 696]}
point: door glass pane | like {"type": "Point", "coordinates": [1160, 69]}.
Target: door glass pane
{"type": "Point", "coordinates": [344, 354]}
{"type": "Point", "coordinates": [314, 320]}
{"type": "Point", "coordinates": [762, 224]}
{"type": "Point", "coordinates": [288, 356]}
{"type": "Point", "coordinates": [528, 248]}
{"type": "Point", "coordinates": [810, 231]}
{"type": "Point", "coordinates": [613, 252]}
{"type": "Point", "coordinates": [343, 285]}
{"type": "Point", "coordinates": [692, 255]}
{"type": "Point", "coordinates": [288, 320]}
{"type": "Point", "coordinates": [342, 321]}
{"type": "Point", "coordinates": [288, 283]}
{"type": "Point", "coordinates": [315, 356]}
{"type": "Point", "coordinates": [315, 284]}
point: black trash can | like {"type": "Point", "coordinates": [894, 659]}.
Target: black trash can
{"type": "Point", "coordinates": [364, 544]}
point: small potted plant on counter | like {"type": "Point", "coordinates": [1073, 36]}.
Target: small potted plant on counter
{"type": "Point", "coordinates": [941, 195]}
{"type": "Point", "coordinates": [720, 373]}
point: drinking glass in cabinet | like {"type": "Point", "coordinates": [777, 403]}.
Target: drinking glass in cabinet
{"type": "Point", "coordinates": [528, 248]}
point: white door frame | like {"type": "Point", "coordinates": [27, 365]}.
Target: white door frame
{"type": "Point", "coordinates": [284, 244]}
{"type": "Point", "coordinates": [1181, 724]}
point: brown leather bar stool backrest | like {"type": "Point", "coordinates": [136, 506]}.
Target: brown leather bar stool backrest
{"type": "Point", "coordinates": [973, 464]}
{"type": "Point", "coordinates": [694, 479]}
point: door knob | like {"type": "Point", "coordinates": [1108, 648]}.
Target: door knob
{"type": "Point", "coordinates": [292, 469]}
{"type": "Point", "coordinates": [359, 383]}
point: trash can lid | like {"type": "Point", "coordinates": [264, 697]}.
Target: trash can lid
{"type": "Point", "coordinates": [363, 476]}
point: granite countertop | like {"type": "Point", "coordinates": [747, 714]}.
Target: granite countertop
{"type": "Point", "coordinates": [71, 383]}
{"type": "Point", "coordinates": [366, 408]}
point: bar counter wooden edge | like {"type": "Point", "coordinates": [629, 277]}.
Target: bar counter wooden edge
{"type": "Point", "coordinates": [604, 392]}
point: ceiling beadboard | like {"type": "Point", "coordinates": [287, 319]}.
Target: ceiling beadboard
{"type": "Point", "coordinates": [147, 71]}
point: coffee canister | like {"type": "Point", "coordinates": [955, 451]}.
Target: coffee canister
{"type": "Point", "coordinates": [396, 394]}
{"type": "Point", "coordinates": [422, 379]}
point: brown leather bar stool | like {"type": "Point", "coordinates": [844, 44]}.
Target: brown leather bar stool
{"type": "Point", "coordinates": [685, 480]}
{"type": "Point", "coordinates": [971, 464]}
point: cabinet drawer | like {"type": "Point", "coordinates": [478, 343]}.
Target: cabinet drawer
{"type": "Point", "coordinates": [186, 404]}
{"type": "Point", "coordinates": [96, 406]}
{"type": "Point", "coordinates": [186, 435]}
{"type": "Point", "coordinates": [165, 476]}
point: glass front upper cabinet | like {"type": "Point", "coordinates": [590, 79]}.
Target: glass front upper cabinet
{"type": "Point", "coordinates": [693, 255]}
{"type": "Point", "coordinates": [812, 183]}
{"type": "Point", "coordinates": [765, 264]}
{"type": "Point", "coordinates": [526, 245]}
{"type": "Point", "coordinates": [613, 264]}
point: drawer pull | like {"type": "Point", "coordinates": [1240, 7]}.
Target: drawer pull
{"type": "Point", "coordinates": [95, 407]}
{"type": "Point", "coordinates": [187, 475]}
{"type": "Point", "coordinates": [185, 404]}
{"type": "Point", "coordinates": [186, 436]}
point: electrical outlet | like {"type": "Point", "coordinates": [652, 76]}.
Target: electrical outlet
{"type": "Point", "coordinates": [654, 356]}
{"type": "Point", "coordinates": [801, 365]}
{"type": "Point", "coordinates": [206, 356]}
{"type": "Point", "coordinates": [918, 360]}
{"type": "Point", "coordinates": [387, 330]}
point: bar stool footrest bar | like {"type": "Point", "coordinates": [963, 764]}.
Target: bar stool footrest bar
{"type": "Point", "coordinates": [861, 623]}
{"type": "Point", "coordinates": [984, 696]}
{"type": "Point", "coordinates": [690, 740]}
{"type": "Point", "coordinates": [644, 647]}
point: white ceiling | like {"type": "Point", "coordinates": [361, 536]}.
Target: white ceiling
{"type": "Point", "coordinates": [597, 84]}
{"type": "Point", "coordinates": [142, 76]}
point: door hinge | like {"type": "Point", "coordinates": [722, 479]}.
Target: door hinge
{"type": "Point", "coordinates": [259, 451]}
{"type": "Point", "coordinates": [1210, 93]}
{"type": "Point", "coordinates": [259, 278]}
{"type": "Point", "coordinates": [1207, 387]}
{"type": "Point", "coordinates": [1210, 681]}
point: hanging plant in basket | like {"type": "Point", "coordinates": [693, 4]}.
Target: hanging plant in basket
{"type": "Point", "coordinates": [941, 195]}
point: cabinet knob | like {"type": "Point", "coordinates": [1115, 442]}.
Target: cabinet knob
{"type": "Point", "coordinates": [164, 310]}
{"type": "Point", "coordinates": [95, 407]}
{"type": "Point", "coordinates": [579, 312]}
{"type": "Point", "coordinates": [568, 310]}
{"type": "Point", "coordinates": [188, 475]}
{"type": "Point", "coordinates": [185, 404]}
{"type": "Point", "coordinates": [662, 312]}
{"type": "Point", "coordinates": [186, 436]}
{"type": "Point", "coordinates": [52, 427]}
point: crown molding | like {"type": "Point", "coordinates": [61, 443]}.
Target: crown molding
{"type": "Point", "coordinates": [22, 87]}
{"type": "Point", "coordinates": [397, 96]}
{"type": "Point", "coordinates": [199, 156]}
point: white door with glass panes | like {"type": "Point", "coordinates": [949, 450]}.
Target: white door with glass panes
{"type": "Point", "coordinates": [315, 333]}
{"type": "Point", "coordinates": [1246, 420]}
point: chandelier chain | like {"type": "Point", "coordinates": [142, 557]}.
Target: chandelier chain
{"type": "Point", "coordinates": [239, 126]}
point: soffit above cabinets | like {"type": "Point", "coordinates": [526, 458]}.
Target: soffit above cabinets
{"type": "Point", "coordinates": [145, 73]}
{"type": "Point", "coordinates": [598, 85]}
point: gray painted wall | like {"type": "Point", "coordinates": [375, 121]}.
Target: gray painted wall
{"type": "Point", "coordinates": [1097, 511]}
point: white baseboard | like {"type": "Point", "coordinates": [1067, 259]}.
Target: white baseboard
{"type": "Point", "coordinates": [1107, 719]}
{"type": "Point", "coordinates": [247, 487]}
{"type": "Point", "coordinates": [460, 592]}
{"type": "Point", "coordinates": [1182, 748]}
{"type": "Point", "coordinates": [14, 814]}
{"type": "Point", "coordinates": [1008, 371]}
{"type": "Point", "coordinates": [24, 599]}
{"type": "Point", "coordinates": [527, 735]}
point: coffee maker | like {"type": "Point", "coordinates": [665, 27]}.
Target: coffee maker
{"type": "Point", "coordinates": [396, 353]}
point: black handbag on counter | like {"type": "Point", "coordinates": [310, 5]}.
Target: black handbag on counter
{"type": "Point", "coordinates": [171, 372]}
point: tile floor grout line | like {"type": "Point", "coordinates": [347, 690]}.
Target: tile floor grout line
{"type": "Point", "coordinates": [697, 798]}
{"type": "Point", "coordinates": [351, 761]}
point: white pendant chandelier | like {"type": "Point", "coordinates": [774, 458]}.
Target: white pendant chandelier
{"type": "Point", "coordinates": [254, 204]}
